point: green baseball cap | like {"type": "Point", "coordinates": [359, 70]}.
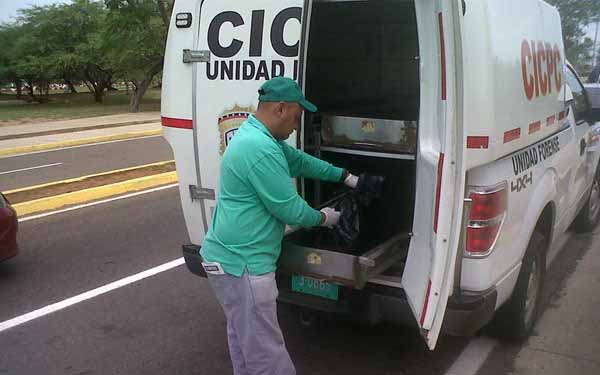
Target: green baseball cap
{"type": "Point", "coordinates": [283, 89]}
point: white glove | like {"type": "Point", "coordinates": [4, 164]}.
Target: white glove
{"type": "Point", "coordinates": [351, 181]}
{"type": "Point", "coordinates": [331, 217]}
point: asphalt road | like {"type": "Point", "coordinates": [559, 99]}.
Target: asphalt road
{"type": "Point", "coordinates": [56, 165]}
{"type": "Point", "coordinates": [169, 323]}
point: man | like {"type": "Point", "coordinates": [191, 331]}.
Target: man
{"type": "Point", "coordinates": [256, 200]}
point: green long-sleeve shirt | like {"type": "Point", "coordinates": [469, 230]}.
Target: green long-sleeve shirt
{"type": "Point", "coordinates": [257, 199]}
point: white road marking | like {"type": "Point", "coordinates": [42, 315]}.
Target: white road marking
{"type": "Point", "coordinates": [473, 356]}
{"type": "Point", "coordinates": [31, 168]}
{"type": "Point", "coordinates": [87, 145]}
{"type": "Point", "coordinates": [7, 324]}
{"type": "Point", "coordinates": [27, 218]}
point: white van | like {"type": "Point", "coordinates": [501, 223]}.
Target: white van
{"type": "Point", "coordinates": [469, 110]}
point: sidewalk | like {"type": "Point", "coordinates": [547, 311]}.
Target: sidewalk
{"type": "Point", "coordinates": [152, 128]}
{"type": "Point", "coordinates": [125, 119]}
{"type": "Point", "coordinates": [17, 139]}
{"type": "Point", "coordinates": [567, 339]}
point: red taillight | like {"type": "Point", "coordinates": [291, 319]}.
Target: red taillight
{"type": "Point", "coordinates": [488, 208]}
{"type": "Point", "coordinates": [481, 239]}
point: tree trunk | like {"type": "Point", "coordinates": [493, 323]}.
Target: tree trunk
{"type": "Point", "coordinates": [98, 93]}
{"type": "Point", "coordinates": [89, 86]}
{"type": "Point", "coordinates": [97, 86]}
{"type": "Point", "coordinates": [31, 91]}
{"type": "Point", "coordinates": [141, 87]}
{"type": "Point", "coordinates": [165, 12]}
{"type": "Point", "coordinates": [136, 98]}
{"type": "Point", "coordinates": [70, 86]}
{"type": "Point", "coordinates": [96, 90]}
{"type": "Point", "coordinates": [19, 88]}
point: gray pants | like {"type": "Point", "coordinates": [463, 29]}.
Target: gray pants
{"type": "Point", "coordinates": [256, 344]}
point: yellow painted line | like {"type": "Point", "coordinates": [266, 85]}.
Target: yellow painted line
{"type": "Point", "coordinates": [78, 142]}
{"type": "Point", "coordinates": [91, 194]}
{"type": "Point", "coordinates": [79, 179]}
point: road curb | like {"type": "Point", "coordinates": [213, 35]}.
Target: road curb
{"type": "Point", "coordinates": [77, 142]}
{"type": "Point", "coordinates": [95, 193]}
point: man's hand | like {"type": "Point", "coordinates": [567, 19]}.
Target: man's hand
{"type": "Point", "coordinates": [329, 217]}
{"type": "Point", "coordinates": [351, 180]}
{"type": "Point", "coordinates": [366, 183]}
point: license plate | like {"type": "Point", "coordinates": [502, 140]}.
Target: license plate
{"type": "Point", "coordinates": [319, 288]}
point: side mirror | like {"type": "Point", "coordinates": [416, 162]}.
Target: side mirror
{"type": "Point", "coordinates": [592, 91]}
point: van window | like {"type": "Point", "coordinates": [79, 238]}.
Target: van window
{"type": "Point", "coordinates": [579, 100]}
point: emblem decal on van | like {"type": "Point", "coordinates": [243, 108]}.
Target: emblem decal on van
{"type": "Point", "coordinates": [229, 122]}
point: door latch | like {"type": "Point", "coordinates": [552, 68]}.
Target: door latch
{"type": "Point", "coordinates": [193, 56]}
{"type": "Point", "coordinates": [200, 194]}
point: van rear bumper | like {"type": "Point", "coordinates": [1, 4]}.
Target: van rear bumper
{"type": "Point", "coordinates": [468, 313]}
{"type": "Point", "coordinates": [372, 305]}
{"type": "Point", "coordinates": [464, 316]}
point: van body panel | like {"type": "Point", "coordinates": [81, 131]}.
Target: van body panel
{"type": "Point", "coordinates": [428, 274]}
{"type": "Point", "coordinates": [539, 182]}
{"type": "Point", "coordinates": [190, 95]}
{"type": "Point", "coordinates": [507, 91]}
{"type": "Point", "coordinates": [177, 84]}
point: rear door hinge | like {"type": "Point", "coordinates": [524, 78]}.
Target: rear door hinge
{"type": "Point", "coordinates": [191, 56]}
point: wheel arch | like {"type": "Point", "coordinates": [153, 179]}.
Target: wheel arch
{"type": "Point", "coordinates": [545, 223]}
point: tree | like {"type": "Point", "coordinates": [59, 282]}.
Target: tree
{"type": "Point", "coordinates": [31, 55]}
{"type": "Point", "coordinates": [62, 42]}
{"type": "Point", "coordinates": [135, 39]}
{"type": "Point", "coordinates": [8, 72]}
{"type": "Point", "coordinates": [575, 16]}
{"type": "Point", "coordinates": [77, 32]}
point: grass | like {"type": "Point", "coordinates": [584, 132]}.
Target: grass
{"type": "Point", "coordinates": [68, 106]}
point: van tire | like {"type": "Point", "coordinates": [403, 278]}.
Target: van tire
{"type": "Point", "coordinates": [589, 216]}
{"type": "Point", "coordinates": [515, 320]}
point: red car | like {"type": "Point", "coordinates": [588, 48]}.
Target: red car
{"type": "Point", "coordinates": [8, 230]}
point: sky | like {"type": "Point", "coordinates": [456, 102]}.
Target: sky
{"type": "Point", "coordinates": [8, 8]}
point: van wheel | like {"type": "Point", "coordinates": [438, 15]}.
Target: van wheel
{"type": "Point", "coordinates": [590, 214]}
{"type": "Point", "coordinates": [516, 318]}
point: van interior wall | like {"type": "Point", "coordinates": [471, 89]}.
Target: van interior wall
{"type": "Point", "coordinates": [362, 59]}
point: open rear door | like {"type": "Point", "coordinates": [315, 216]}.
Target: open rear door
{"type": "Point", "coordinates": [429, 270]}
{"type": "Point", "coordinates": [239, 45]}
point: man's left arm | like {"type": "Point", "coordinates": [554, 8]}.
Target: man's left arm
{"type": "Point", "coordinates": [304, 165]}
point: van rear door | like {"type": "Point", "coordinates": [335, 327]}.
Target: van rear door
{"type": "Point", "coordinates": [239, 45]}
{"type": "Point", "coordinates": [429, 269]}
